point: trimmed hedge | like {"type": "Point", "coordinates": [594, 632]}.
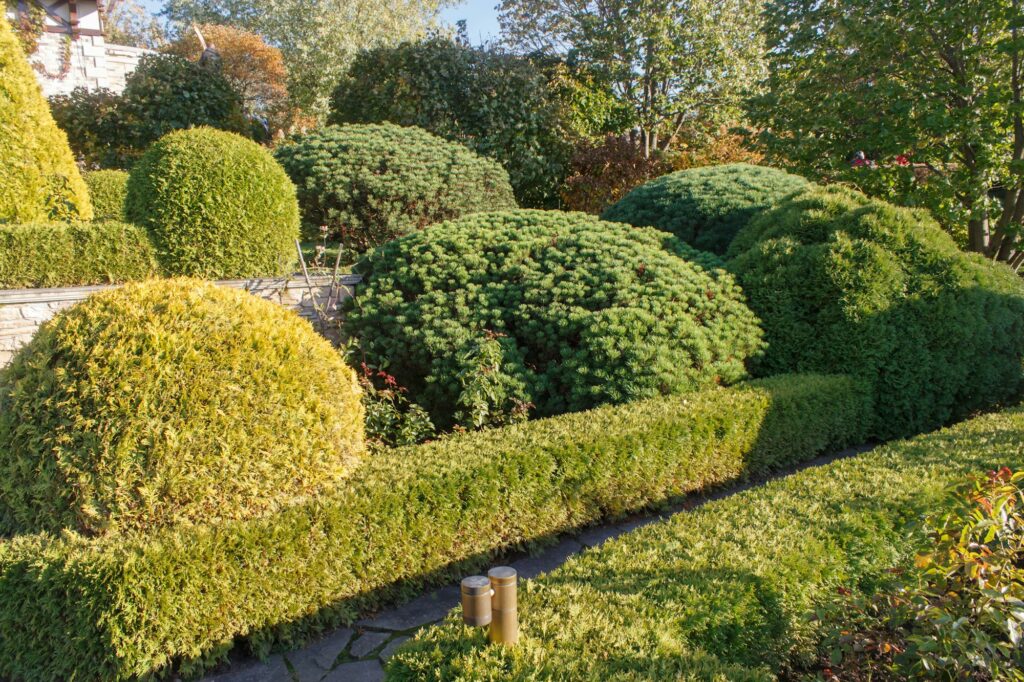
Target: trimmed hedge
{"type": "Point", "coordinates": [169, 402]}
{"type": "Point", "coordinates": [724, 592]}
{"type": "Point", "coordinates": [114, 608]}
{"type": "Point", "coordinates": [582, 311]}
{"type": "Point", "coordinates": [216, 205]}
{"type": "Point", "coordinates": [705, 207]}
{"type": "Point", "coordinates": [371, 183]}
{"type": "Point", "coordinates": [847, 284]}
{"type": "Point", "coordinates": [38, 176]}
{"type": "Point", "coordinates": [75, 254]}
{"type": "Point", "coordinates": [107, 189]}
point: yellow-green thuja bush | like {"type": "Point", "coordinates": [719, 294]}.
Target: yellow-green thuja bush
{"type": "Point", "coordinates": [217, 205]}
{"type": "Point", "coordinates": [171, 402]}
{"type": "Point", "coordinates": [38, 176]}
{"type": "Point", "coordinates": [107, 189]}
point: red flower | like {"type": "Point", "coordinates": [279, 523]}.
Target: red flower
{"type": "Point", "coordinates": [902, 160]}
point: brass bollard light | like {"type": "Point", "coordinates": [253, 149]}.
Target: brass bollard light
{"type": "Point", "coordinates": [492, 600]}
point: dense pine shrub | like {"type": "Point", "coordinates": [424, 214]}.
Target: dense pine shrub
{"type": "Point", "coordinates": [406, 518]}
{"type": "Point", "coordinates": [107, 189]}
{"type": "Point", "coordinates": [171, 401]}
{"type": "Point", "coordinates": [38, 176]}
{"type": "Point", "coordinates": [74, 254]}
{"type": "Point", "coordinates": [845, 284]}
{"type": "Point", "coordinates": [728, 591]}
{"type": "Point", "coordinates": [371, 183]}
{"type": "Point", "coordinates": [581, 313]}
{"type": "Point", "coordinates": [500, 105]}
{"type": "Point", "coordinates": [217, 206]}
{"type": "Point", "coordinates": [705, 207]}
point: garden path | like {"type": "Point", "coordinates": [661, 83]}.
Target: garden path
{"type": "Point", "coordinates": [358, 653]}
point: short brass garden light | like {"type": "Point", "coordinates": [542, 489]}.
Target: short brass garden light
{"type": "Point", "coordinates": [492, 601]}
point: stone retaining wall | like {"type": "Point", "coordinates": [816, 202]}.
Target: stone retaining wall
{"type": "Point", "coordinates": [22, 311]}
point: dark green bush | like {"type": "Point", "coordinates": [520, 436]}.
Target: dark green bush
{"type": "Point", "coordinates": [163, 93]}
{"type": "Point", "coordinates": [724, 592]}
{"type": "Point", "coordinates": [73, 254]}
{"type": "Point", "coordinates": [584, 312]}
{"type": "Point", "coordinates": [705, 207]}
{"type": "Point", "coordinates": [844, 284]}
{"type": "Point", "coordinates": [107, 189]}
{"type": "Point", "coordinates": [371, 183]}
{"type": "Point", "coordinates": [171, 401]}
{"type": "Point", "coordinates": [406, 518]}
{"type": "Point", "coordinates": [216, 205]}
{"type": "Point", "coordinates": [498, 104]}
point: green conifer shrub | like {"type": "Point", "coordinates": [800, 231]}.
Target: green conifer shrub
{"type": "Point", "coordinates": [107, 189]}
{"type": "Point", "coordinates": [216, 205]}
{"type": "Point", "coordinates": [858, 286]}
{"type": "Point", "coordinates": [171, 402]}
{"type": "Point", "coordinates": [38, 176]}
{"type": "Point", "coordinates": [707, 206]}
{"type": "Point", "coordinates": [582, 311]}
{"type": "Point", "coordinates": [371, 183]}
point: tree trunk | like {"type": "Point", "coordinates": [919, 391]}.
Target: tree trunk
{"type": "Point", "coordinates": [977, 235]}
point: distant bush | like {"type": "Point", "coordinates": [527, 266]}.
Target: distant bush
{"type": "Point", "coordinates": [845, 284]}
{"type": "Point", "coordinates": [705, 207]}
{"type": "Point", "coordinates": [371, 183]}
{"type": "Point", "coordinates": [75, 254]}
{"type": "Point", "coordinates": [169, 402]}
{"type": "Point", "coordinates": [38, 176]}
{"type": "Point", "coordinates": [601, 173]}
{"type": "Point", "coordinates": [496, 103]}
{"type": "Point", "coordinates": [409, 518]}
{"type": "Point", "coordinates": [578, 312]}
{"type": "Point", "coordinates": [216, 205]}
{"type": "Point", "coordinates": [162, 94]}
{"type": "Point", "coordinates": [107, 189]}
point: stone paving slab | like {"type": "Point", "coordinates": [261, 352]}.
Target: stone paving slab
{"type": "Point", "coordinates": [428, 608]}
{"type": "Point", "coordinates": [271, 670]}
{"type": "Point", "coordinates": [367, 642]}
{"type": "Point", "coordinates": [552, 557]}
{"type": "Point", "coordinates": [392, 647]}
{"type": "Point", "coordinates": [360, 671]}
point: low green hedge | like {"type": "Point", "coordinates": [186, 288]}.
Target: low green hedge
{"type": "Point", "coordinates": [725, 593]}
{"type": "Point", "coordinates": [119, 608]}
{"type": "Point", "coordinates": [76, 254]}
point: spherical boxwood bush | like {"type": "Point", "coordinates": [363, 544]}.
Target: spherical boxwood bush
{"type": "Point", "coordinates": [849, 285]}
{"type": "Point", "coordinates": [707, 206]}
{"type": "Point", "coordinates": [217, 205]}
{"type": "Point", "coordinates": [107, 189]}
{"type": "Point", "coordinates": [171, 401]}
{"type": "Point", "coordinates": [371, 183]}
{"type": "Point", "coordinates": [547, 312]}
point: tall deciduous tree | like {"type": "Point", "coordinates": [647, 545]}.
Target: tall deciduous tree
{"type": "Point", "coordinates": [128, 22]}
{"type": "Point", "coordinates": [317, 37]}
{"type": "Point", "coordinates": [673, 61]}
{"type": "Point", "coordinates": [929, 90]}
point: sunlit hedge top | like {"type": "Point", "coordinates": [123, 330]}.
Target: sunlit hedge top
{"type": "Point", "coordinates": [372, 183]}
{"type": "Point", "coordinates": [847, 284]}
{"type": "Point", "coordinates": [707, 206]}
{"type": "Point", "coordinates": [171, 401]}
{"type": "Point", "coordinates": [586, 312]}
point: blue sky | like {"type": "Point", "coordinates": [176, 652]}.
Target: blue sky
{"type": "Point", "coordinates": [480, 15]}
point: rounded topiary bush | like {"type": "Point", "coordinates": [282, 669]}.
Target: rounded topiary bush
{"type": "Point", "coordinates": [849, 285]}
{"type": "Point", "coordinates": [706, 206]}
{"type": "Point", "coordinates": [171, 401]}
{"type": "Point", "coordinates": [371, 183]}
{"type": "Point", "coordinates": [107, 189]}
{"type": "Point", "coordinates": [547, 312]}
{"type": "Point", "coordinates": [217, 205]}
{"type": "Point", "coordinates": [38, 176]}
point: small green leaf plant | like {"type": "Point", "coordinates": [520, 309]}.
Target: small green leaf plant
{"type": "Point", "coordinates": [958, 614]}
